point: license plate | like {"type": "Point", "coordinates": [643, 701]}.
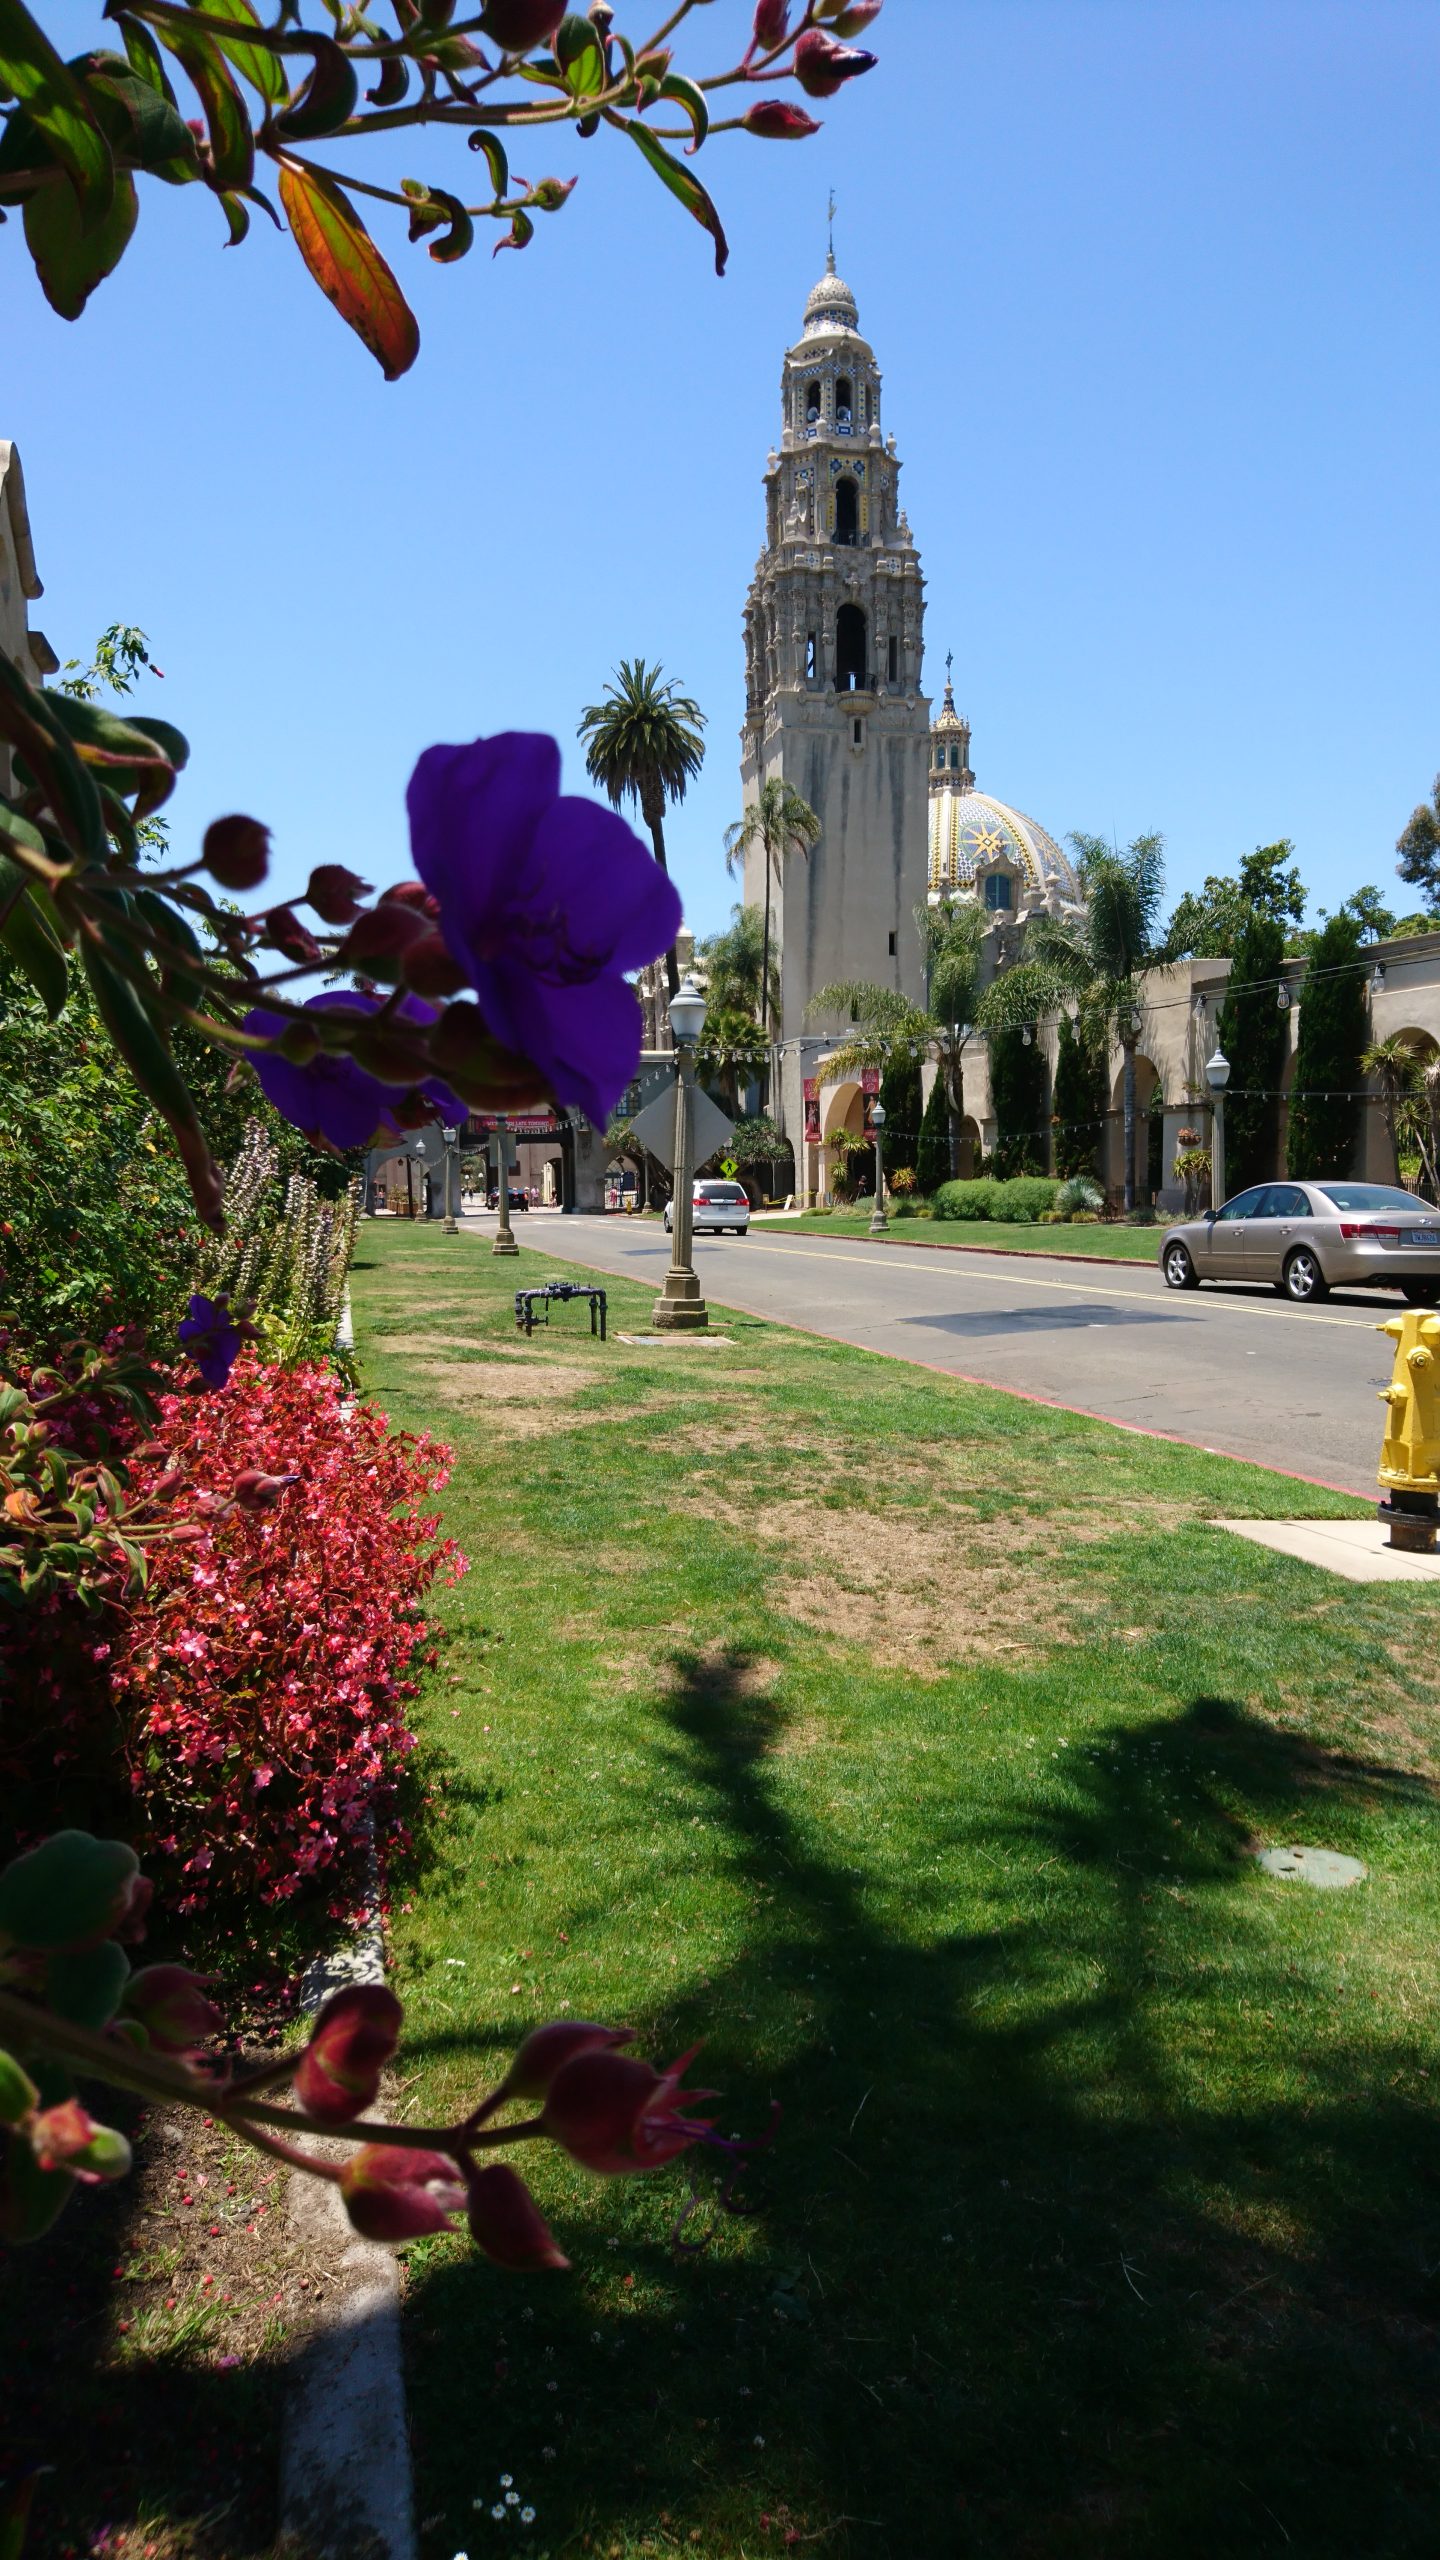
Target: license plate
{"type": "Point", "coordinates": [1420, 1235]}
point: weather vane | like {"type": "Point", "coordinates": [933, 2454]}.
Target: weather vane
{"type": "Point", "coordinates": [832, 227]}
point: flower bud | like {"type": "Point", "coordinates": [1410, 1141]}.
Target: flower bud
{"type": "Point", "coordinates": [428, 967]}
{"type": "Point", "coordinates": [69, 1892]}
{"type": "Point", "coordinates": [486, 1076]}
{"type": "Point", "coordinates": [772, 25]}
{"type": "Point", "coordinates": [236, 852]}
{"type": "Point", "coordinates": [392, 2193]}
{"type": "Point", "coordinates": [169, 2002]}
{"type": "Point", "coordinates": [253, 1490]}
{"type": "Point", "coordinates": [338, 2074]}
{"type": "Point", "coordinates": [777, 120]}
{"type": "Point", "coordinates": [284, 932]}
{"type": "Point", "coordinates": [300, 1043]}
{"type": "Point", "coordinates": [545, 2051]}
{"type": "Point", "coordinates": [58, 2133]}
{"type": "Point", "coordinates": [506, 2222]}
{"type": "Point", "coordinates": [412, 893]}
{"type": "Point", "coordinates": [855, 17]}
{"type": "Point", "coordinates": [821, 65]}
{"type": "Point", "coordinates": [391, 1053]}
{"type": "Point", "coordinates": [379, 938]}
{"type": "Point", "coordinates": [516, 25]}
{"type": "Point", "coordinates": [335, 893]}
{"type": "Point", "coordinates": [549, 194]}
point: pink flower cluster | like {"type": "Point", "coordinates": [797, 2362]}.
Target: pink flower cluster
{"type": "Point", "coordinates": [262, 1683]}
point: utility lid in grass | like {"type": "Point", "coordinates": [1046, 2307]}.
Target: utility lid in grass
{"type": "Point", "coordinates": [1326, 1868]}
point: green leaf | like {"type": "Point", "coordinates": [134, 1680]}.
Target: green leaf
{"type": "Point", "coordinates": [27, 720]}
{"type": "Point", "coordinates": [328, 99]}
{"type": "Point", "coordinates": [69, 260]}
{"type": "Point", "coordinates": [143, 1046]}
{"type": "Point", "coordinates": [68, 1888]}
{"type": "Point", "coordinates": [18, 2093]}
{"type": "Point", "coordinates": [139, 124]}
{"type": "Point", "coordinates": [232, 144]}
{"type": "Point", "coordinates": [254, 62]}
{"type": "Point", "coordinates": [236, 214]}
{"type": "Point", "coordinates": [432, 209]}
{"type": "Point", "coordinates": [56, 104]}
{"type": "Point", "coordinates": [683, 184]}
{"type": "Point", "coordinates": [348, 268]}
{"type": "Point", "coordinates": [143, 54]}
{"type": "Point", "coordinates": [495, 160]}
{"type": "Point", "coordinates": [30, 942]}
{"type": "Point", "coordinates": [134, 756]}
{"type": "Point", "coordinates": [85, 1985]}
{"type": "Point", "coordinates": [581, 56]}
{"type": "Point", "coordinates": [691, 101]}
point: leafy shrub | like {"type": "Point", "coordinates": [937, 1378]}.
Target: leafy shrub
{"type": "Point", "coordinates": [1051, 1218]}
{"type": "Point", "coordinates": [904, 1182]}
{"type": "Point", "coordinates": [1023, 1197]}
{"type": "Point", "coordinates": [1085, 1218]}
{"type": "Point", "coordinates": [1079, 1192]}
{"type": "Point", "coordinates": [966, 1199]}
{"type": "Point", "coordinates": [261, 1686]}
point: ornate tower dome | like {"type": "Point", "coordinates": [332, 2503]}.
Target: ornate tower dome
{"type": "Point", "coordinates": [981, 849]}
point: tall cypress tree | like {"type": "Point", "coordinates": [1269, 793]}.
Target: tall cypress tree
{"type": "Point", "coordinates": [1252, 1032]}
{"type": "Point", "coordinates": [1334, 1027]}
{"type": "Point", "coordinates": [900, 1100]}
{"type": "Point", "coordinates": [1018, 1099]}
{"type": "Point", "coordinates": [1080, 1101]}
{"type": "Point", "coordinates": [932, 1160]}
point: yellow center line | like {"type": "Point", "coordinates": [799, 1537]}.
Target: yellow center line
{"type": "Point", "coordinates": [1067, 1288]}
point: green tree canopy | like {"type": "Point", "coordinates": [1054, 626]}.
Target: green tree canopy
{"type": "Point", "coordinates": [1207, 922]}
{"type": "Point", "coordinates": [782, 825]}
{"type": "Point", "coordinates": [734, 962]}
{"type": "Point", "coordinates": [1081, 1099]}
{"type": "Point", "coordinates": [1418, 847]}
{"type": "Point", "coordinates": [1018, 1080]}
{"type": "Point", "coordinates": [1253, 1033]}
{"type": "Point", "coordinates": [1334, 1024]}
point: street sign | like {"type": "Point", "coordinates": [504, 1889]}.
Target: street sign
{"type": "Point", "coordinates": [709, 1128]}
{"type": "Point", "coordinates": [729, 1167]}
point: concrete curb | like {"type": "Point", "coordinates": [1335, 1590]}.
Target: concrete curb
{"type": "Point", "coordinates": [1002, 1252]}
{"type": "Point", "coordinates": [345, 2483]}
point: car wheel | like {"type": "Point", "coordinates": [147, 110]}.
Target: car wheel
{"type": "Point", "coordinates": [1421, 1293]}
{"type": "Point", "coordinates": [1304, 1282]}
{"type": "Point", "coordinates": [1179, 1270]}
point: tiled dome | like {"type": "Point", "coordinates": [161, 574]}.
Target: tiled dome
{"type": "Point", "coordinates": [831, 304]}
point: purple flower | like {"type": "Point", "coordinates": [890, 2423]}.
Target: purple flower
{"type": "Point", "coordinates": [212, 1336]}
{"type": "Point", "coordinates": [333, 1100]}
{"type": "Point", "coordinates": [545, 903]}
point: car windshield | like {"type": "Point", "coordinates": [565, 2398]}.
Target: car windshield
{"type": "Point", "coordinates": [1372, 1195]}
{"type": "Point", "coordinates": [721, 1191]}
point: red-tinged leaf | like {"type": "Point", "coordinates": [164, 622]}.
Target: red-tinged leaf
{"type": "Point", "coordinates": [143, 55]}
{"type": "Point", "coordinates": [254, 62]}
{"type": "Point", "coordinates": [30, 939]}
{"type": "Point", "coordinates": [392, 84]}
{"type": "Point", "coordinates": [683, 184]}
{"type": "Point", "coordinates": [234, 210]}
{"type": "Point", "coordinates": [232, 144]}
{"type": "Point", "coordinates": [580, 55]}
{"type": "Point", "coordinates": [519, 235]}
{"type": "Point", "coordinates": [33, 72]}
{"type": "Point", "coordinates": [348, 268]}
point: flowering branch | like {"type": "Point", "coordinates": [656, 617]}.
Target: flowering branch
{"type": "Point", "coordinates": [72, 2000]}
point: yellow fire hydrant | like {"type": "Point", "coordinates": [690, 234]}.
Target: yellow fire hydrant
{"type": "Point", "coordinates": [1410, 1457]}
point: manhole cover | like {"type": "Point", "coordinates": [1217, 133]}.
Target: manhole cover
{"type": "Point", "coordinates": [1323, 1867]}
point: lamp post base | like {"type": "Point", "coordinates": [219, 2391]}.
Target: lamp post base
{"type": "Point", "coordinates": [879, 1223]}
{"type": "Point", "coordinates": [505, 1242]}
{"type": "Point", "coordinates": [680, 1307]}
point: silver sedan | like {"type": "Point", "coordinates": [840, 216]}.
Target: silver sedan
{"type": "Point", "coordinates": [1308, 1238]}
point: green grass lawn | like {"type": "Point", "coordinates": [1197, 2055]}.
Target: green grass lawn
{"type": "Point", "coordinates": [1113, 1243]}
{"type": "Point", "coordinates": [906, 1743]}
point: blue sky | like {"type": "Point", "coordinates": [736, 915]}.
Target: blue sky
{"type": "Point", "coordinates": [1153, 284]}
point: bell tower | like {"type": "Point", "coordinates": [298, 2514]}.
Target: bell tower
{"type": "Point", "coordinates": [834, 646]}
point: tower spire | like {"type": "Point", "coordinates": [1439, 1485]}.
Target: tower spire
{"type": "Point", "coordinates": [830, 254]}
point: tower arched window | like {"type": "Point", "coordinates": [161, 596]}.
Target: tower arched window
{"type": "Point", "coordinates": [812, 404]}
{"type": "Point", "coordinates": [844, 406]}
{"type": "Point", "coordinates": [999, 896]}
{"type": "Point", "coordinates": [847, 512]}
{"type": "Point", "coordinates": [850, 654]}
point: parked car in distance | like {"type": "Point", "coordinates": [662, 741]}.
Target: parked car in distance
{"type": "Point", "coordinates": [1308, 1238]}
{"type": "Point", "coordinates": [716, 1206]}
{"type": "Point", "coordinates": [518, 1199]}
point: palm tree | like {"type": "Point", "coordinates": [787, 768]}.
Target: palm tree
{"type": "Point", "coordinates": [887, 1027]}
{"type": "Point", "coordinates": [734, 963]}
{"type": "Point", "coordinates": [1098, 958]}
{"type": "Point", "coordinates": [643, 743]}
{"type": "Point", "coordinates": [1396, 1071]}
{"type": "Point", "coordinates": [781, 823]}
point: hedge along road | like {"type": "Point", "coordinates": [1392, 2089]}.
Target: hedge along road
{"type": "Point", "coordinates": [1231, 1369]}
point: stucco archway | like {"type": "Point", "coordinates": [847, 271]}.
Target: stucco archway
{"type": "Point", "coordinates": [1149, 1149]}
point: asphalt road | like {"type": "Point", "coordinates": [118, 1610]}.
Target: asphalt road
{"type": "Point", "coordinates": [1231, 1368]}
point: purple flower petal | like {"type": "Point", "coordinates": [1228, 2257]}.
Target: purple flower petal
{"type": "Point", "coordinates": [333, 1100]}
{"type": "Point", "coordinates": [545, 902]}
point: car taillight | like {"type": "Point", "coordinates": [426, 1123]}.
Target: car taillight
{"type": "Point", "coordinates": [1377, 1235]}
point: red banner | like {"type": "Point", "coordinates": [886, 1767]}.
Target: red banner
{"type": "Point", "coordinates": [812, 1110]}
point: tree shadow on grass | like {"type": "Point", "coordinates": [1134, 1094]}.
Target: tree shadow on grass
{"type": "Point", "coordinates": [1095, 2226]}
